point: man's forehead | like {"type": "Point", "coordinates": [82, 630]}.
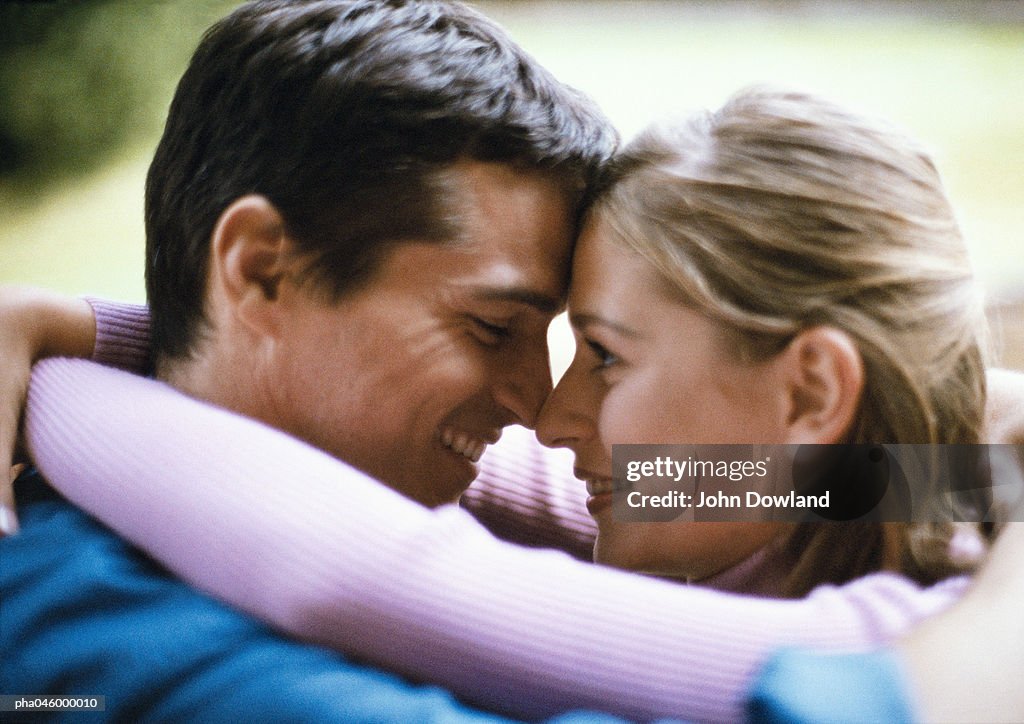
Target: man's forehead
{"type": "Point", "coordinates": [497, 204]}
{"type": "Point", "coordinates": [529, 274]}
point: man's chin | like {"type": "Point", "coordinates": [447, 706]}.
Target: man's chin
{"type": "Point", "coordinates": [445, 482]}
{"type": "Point", "coordinates": [448, 486]}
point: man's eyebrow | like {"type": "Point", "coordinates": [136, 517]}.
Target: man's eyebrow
{"type": "Point", "coordinates": [521, 295]}
{"type": "Point", "coordinates": [581, 320]}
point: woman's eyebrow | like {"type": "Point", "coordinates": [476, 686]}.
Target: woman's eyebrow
{"type": "Point", "coordinates": [581, 320]}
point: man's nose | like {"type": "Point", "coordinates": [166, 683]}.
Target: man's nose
{"type": "Point", "coordinates": [524, 384]}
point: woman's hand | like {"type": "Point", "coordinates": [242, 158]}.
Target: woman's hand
{"type": "Point", "coordinates": [965, 664]}
{"type": "Point", "coordinates": [34, 323]}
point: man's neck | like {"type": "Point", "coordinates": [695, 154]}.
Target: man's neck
{"type": "Point", "coordinates": [209, 377]}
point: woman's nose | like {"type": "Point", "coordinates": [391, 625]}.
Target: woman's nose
{"type": "Point", "coordinates": [564, 418]}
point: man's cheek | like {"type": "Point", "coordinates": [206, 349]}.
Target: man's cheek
{"type": "Point", "coordinates": [467, 364]}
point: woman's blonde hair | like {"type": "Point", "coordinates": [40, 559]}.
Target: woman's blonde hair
{"type": "Point", "coordinates": [783, 211]}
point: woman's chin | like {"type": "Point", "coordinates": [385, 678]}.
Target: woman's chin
{"type": "Point", "coordinates": [623, 552]}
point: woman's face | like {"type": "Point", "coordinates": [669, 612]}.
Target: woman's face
{"type": "Point", "coordinates": [650, 370]}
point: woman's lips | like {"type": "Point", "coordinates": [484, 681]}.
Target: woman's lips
{"type": "Point", "coordinates": [599, 489]}
{"type": "Point", "coordinates": [597, 504]}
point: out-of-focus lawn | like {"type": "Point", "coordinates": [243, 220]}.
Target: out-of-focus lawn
{"type": "Point", "coordinates": [957, 85]}
{"type": "Point", "coordinates": [83, 236]}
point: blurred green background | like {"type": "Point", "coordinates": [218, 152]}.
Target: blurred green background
{"type": "Point", "coordinates": [84, 87]}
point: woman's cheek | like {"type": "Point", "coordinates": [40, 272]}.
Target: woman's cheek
{"type": "Point", "coordinates": [622, 418]}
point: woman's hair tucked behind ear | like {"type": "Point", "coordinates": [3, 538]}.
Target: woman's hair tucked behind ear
{"type": "Point", "coordinates": [783, 211]}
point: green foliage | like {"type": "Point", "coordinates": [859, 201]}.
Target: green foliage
{"type": "Point", "coordinates": [80, 79]}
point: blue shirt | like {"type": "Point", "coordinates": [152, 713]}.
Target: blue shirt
{"type": "Point", "coordinates": [805, 686]}
{"type": "Point", "coordinates": [82, 612]}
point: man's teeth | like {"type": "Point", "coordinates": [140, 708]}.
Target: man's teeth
{"type": "Point", "coordinates": [600, 487]}
{"type": "Point", "coordinates": [466, 446]}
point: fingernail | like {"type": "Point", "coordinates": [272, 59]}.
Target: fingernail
{"type": "Point", "coordinates": [8, 521]}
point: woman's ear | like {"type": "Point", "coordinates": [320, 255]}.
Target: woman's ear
{"type": "Point", "coordinates": [250, 256]}
{"type": "Point", "coordinates": [823, 377]}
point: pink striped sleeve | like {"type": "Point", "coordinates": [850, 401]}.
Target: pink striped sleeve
{"type": "Point", "coordinates": [527, 494]}
{"type": "Point", "coordinates": [122, 335]}
{"type": "Point", "coordinates": [318, 550]}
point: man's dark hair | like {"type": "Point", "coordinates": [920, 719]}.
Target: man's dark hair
{"type": "Point", "coordinates": [344, 113]}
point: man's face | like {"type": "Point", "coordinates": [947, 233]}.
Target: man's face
{"type": "Point", "coordinates": [410, 376]}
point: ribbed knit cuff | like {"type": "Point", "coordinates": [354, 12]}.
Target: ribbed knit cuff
{"type": "Point", "coordinates": [122, 335]}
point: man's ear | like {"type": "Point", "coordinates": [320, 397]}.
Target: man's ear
{"type": "Point", "coordinates": [250, 257]}
{"type": "Point", "coordinates": [823, 377]}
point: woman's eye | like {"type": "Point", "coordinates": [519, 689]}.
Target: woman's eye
{"type": "Point", "coordinates": [494, 332]}
{"type": "Point", "coordinates": [605, 358]}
